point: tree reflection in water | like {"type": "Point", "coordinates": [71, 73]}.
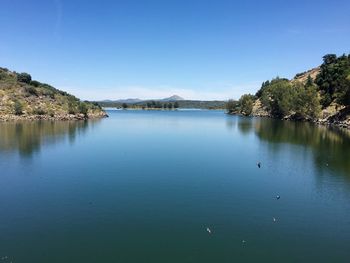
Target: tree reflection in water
{"type": "Point", "coordinates": [27, 138]}
{"type": "Point", "coordinates": [330, 146]}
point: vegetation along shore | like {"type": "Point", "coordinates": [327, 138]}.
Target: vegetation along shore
{"type": "Point", "coordinates": [22, 98]}
{"type": "Point", "coordinates": [320, 95]}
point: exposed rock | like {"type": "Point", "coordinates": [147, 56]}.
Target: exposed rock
{"type": "Point", "coordinates": [259, 110]}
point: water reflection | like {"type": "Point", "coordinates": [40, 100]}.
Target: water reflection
{"type": "Point", "coordinates": [330, 146]}
{"type": "Point", "coordinates": [27, 138]}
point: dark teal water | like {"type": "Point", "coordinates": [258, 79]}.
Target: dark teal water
{"type": "Point", "coordinates": [143, 186]}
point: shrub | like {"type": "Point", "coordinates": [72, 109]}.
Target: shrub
{"type": "Point", "coordinates": [35, 83]}
{"type": "Point", "coordinates": [24, 77]}
{"type": "Point", "coordinates": [39, 111]}
{"type": "Point", "coordinates": [18, 108]}
{"type": "Point", "coordinates": [31, 90]}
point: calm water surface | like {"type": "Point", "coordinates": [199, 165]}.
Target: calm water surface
{"type": "Point", "coordinates": [143, 186]}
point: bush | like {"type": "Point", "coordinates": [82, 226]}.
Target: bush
{"type": "Point", "coordinates": [18, 108]}
{"type": "Point", "coordinates": [35, 83]}
{"type": "Point", "coordinates": [39, 111]}
{"type": "Point", "coordinates": [24, 77]}
{"type": "Point", "coordinates": [31, 90]}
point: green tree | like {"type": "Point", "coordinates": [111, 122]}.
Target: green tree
{"type": "Point", "coordinates": [278, 97]}
{"type": "Point", "coordinates": [158, 105]}
{"type": "Point", "coordinates": [246, 103]}
{"type": "Point", "coordinates": [232, 106]}
{"type": "Point", "coordinates": [71, 108]}
{"type": "Point", "coordinates": [83, 109]}
{"type": "Point", "coordinates": [125, 106]}
{"type": "Point", "coordinates": [306, 102]}
{"type": "Point", "coordinates": [263, 86]}
{"type": "Point", "coordinates": [309, 81]}
{"type": "Point", "coordinates": [170, 105]}
{"type": "Point", "coordinates": [176, 105]}
{"type": "Point", "coordinates": [334, 80]}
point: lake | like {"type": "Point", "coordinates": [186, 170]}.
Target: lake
{"type": "Point", "coordinates": [144, 186]}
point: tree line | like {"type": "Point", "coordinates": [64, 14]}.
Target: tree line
{"type": "Point", "coordinates": [154, 105]}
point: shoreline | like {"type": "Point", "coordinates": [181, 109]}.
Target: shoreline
{"type": "Point", "coordinates": [63, 117]}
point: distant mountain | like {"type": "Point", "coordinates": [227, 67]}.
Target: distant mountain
{"type": "Point", "coordinates": [136, 100]}
{"type": "Point", "coordinates": [127, 100]}
{"type": "Point", "coordinates": [162, 103]}
{"type": "Point", "coordinates": [173, 98]}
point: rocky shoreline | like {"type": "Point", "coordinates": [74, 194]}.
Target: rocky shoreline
{"type": "Point", "coordinates": [58, 117]}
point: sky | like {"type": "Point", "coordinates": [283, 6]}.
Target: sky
{"type": "Point", "coordinates": [151, 49]}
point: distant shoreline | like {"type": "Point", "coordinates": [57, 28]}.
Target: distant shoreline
{"type": "Point", "coordinates": [155, 109]}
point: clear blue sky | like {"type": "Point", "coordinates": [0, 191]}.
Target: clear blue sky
{"type": "Point", "coordinates": [201, 49]}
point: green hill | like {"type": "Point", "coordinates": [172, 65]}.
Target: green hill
{"type": "Point", "coordinates": [24, 98]}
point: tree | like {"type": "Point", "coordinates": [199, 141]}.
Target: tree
{"type": "Point", "coordinates": [306, 102]}
{"type": "Point", "coordinates": [277, 97]}
{"type": "Point", "coordinates": [18, 107]}
{"type": "Point", "coordinates": [83, 109]}
{"type": "Point", "coordinates": [309, 81]}
{"type": "Point", "coordinates": [263, 86]}
{"type": "Point", "coordinates": [176, 105]}
{"type": "Point", "coordinates": [71, 108]}
{"type": "Point", "coordinates": [170, 105]}
{"type": "Point", "coordinates": [246, 104]}
{"type": "Point", "coordinates": [125, 106]}
{"type": "Point", "coordinates": [24, 77]}
{"type": "Point", "coordinates": [158, 105]}
{"type": "Point", "coordinates": [232, 106]}
{"type": "Point", "coordinates": [334, 80]}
